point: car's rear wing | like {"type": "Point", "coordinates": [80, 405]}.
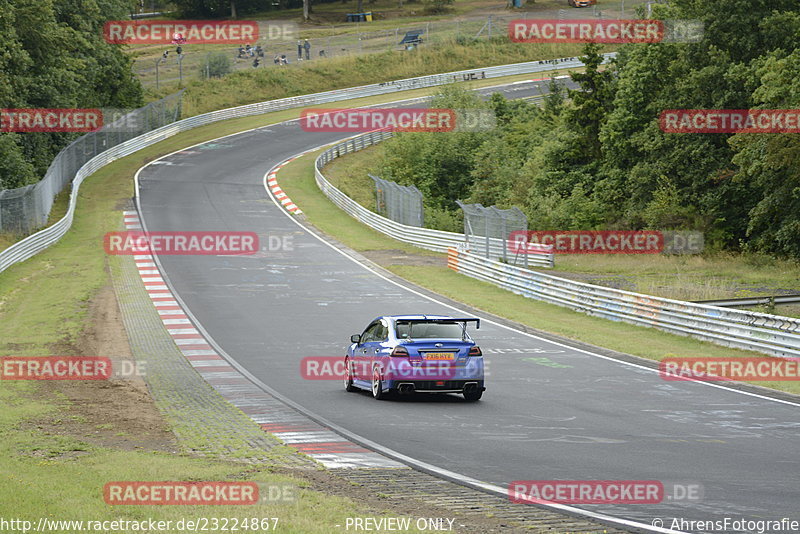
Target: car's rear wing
{"type": "Point", "coordinates": [464, 320]}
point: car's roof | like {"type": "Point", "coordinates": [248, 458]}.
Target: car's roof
{"type": "Point", "coordinates": [412, 317]}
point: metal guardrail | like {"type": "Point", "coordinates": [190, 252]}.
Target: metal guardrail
{"type": "Point", "coordinates": [27, 208]}
{"type": "Point", "coordinates": [770, 334]}
{"type": "Point", "coordinates": [772, 300]}
{"type": "Point", "coordinates": [39, 241]}
{"type": "Point", "coordinates": [436, 240]}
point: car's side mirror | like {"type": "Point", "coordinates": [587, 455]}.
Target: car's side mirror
{"type": "Point", "coordinates": [355, 338]}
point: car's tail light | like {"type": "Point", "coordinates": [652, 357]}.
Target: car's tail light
{"type": "Point", "coordinates": [400, 352]}
{"type": "Point", "coordinates": [475, 351]}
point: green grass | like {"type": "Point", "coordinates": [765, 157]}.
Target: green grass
{"type": "Point", "coordinates": [62, 478]}
{"type": "Point", "coordinates": [350, 174]}
{"type": "Point", "coordinates": [44, 307]}
{"type": "Point", "coordinates": [246, 87]}
{"type": "Point", "coordinates": [236, 125]}
{"type": "Point", "coordinates": [44, 304]}
{"type": "Point", "coordinates": [688, 277]}
{"type": "Point", "coordinates": [59, 209]}
{"type": "Point", "coordinates": [297, 180]}
{"type": "Point", "coordinates": [692, 277]}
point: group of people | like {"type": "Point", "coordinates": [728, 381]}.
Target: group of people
{"type": "Point", "coordinates": [301, 46]}
{"type": "Point", "coordinates": [248, 51]}
{"type": "Point", "coordinates": [303, 49]}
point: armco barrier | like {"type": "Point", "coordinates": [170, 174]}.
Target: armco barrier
{"type": "Point", "coordinates": [37, 242]}
{"type": "Point", "coordinates": [770, 334]}
{"type": "Point", "coordinates": [436, 240]}
{"type": "Point", "coordinates": [25, 209]}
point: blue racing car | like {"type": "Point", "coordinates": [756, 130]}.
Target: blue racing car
{"type": "Point", "coordinates": [415, 353]}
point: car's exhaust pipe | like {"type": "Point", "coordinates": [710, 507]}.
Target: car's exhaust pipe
{"type": "Point", "coordinates": [470, 387]}
{"type": "Point", "coordinates": [405, 389]}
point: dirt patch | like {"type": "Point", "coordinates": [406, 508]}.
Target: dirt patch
{"type": "Point", "coordinates": [117, 413]}
{"type": "Point", "coordinates": [385, 258]}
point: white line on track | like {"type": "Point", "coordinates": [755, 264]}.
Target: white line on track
{"type": "Point", "coordinates": [444, 473]}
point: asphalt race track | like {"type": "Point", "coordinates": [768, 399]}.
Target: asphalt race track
{"type": "Point", "coordinates": [549, 412]}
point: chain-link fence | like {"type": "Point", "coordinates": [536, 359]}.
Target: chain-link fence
{"type": "Point", "coordinates": [25, 209]}
{"type": "Point", "coordinates": [349, 39]}
{"type": "Point", "coordinates": [400, 203]}
{"type": "Point", "coordinates": [196, 57]}
{"type": "Point", "coordinates": [487, 230]}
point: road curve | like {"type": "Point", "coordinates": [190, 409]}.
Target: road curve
{"type": "Point", "coordinates": [550, 411]}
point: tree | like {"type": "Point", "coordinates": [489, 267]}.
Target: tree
{"type": "Point", "coordinates": [593, 101]}
{"type": "Point", "coordinates": [769, 162]}
{"type": "Point", "coordinates": [53, 56]}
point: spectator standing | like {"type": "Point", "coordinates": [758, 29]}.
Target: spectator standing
{"type": "Point", "coordinates": [307, 46]}
{"type": "Point", "coordinates": [299, 49]}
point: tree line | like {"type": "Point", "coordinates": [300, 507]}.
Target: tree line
{"type": "Point", "coordinates": [52, 55]}
{"type": "Point", "coordinates": [596, 159]}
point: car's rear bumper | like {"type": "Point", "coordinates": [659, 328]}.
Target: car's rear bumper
{"type": "Point", "coordinates": [436, 386]}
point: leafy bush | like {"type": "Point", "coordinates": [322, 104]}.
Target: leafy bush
{"type": "Point", "coordinates": [217, 65]}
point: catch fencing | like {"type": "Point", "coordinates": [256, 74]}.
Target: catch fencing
{"type": "Point", "coordinates": [26, 208]}
{"type": "Point", "coordinates": [483, 225]}
{"type": "Point", "coordinates": [436, 240]}
{"type": "Point", "coordinates": [760, 332]}
{"type": "Point", "coordinates": [39, 241]}
{"type": "Point", "coordinates": [340, 41]}
{"type": "Point", "coordinates": [400, 203]}
{"type": "Point", "coordinates": [770, 334]}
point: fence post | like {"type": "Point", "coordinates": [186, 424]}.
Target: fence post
{"type": "Point", "coordinates": [486, 234]}
{"type": "Point", "coordinates": [503, 238]}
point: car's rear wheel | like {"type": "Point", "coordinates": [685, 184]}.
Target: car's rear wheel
{"type": "Point", "coordinates": [377, 384]}
{"type": "Point", "coordinates": [473, 395]}
{"type": "Point", "coordinates": [348, 376]}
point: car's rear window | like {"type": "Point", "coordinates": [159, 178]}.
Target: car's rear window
{"type": "Point", "coordinates": [429, 330]}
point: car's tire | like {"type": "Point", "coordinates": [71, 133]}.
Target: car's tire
{"type": "Point", "coordinates": [348, 377]}
{"type": "Point", "coordinates": [377, 384]}
{"type": "Point", "coordinates": [474, 395]}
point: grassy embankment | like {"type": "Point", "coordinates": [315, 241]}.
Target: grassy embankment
{"type": "Point", "coordinates": [717, 275]}
{"type": "Point", "coordinates": [327, 30]}
{"type": "Point", "coordinates": [297, 180]}
{"type": "Point", "coordinates": [45, 309]}
{"type": "Point", "coordinates": [247, 87]}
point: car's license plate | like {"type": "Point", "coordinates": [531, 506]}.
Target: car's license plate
{"type": "Point", "coordinates": [440, 356]}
